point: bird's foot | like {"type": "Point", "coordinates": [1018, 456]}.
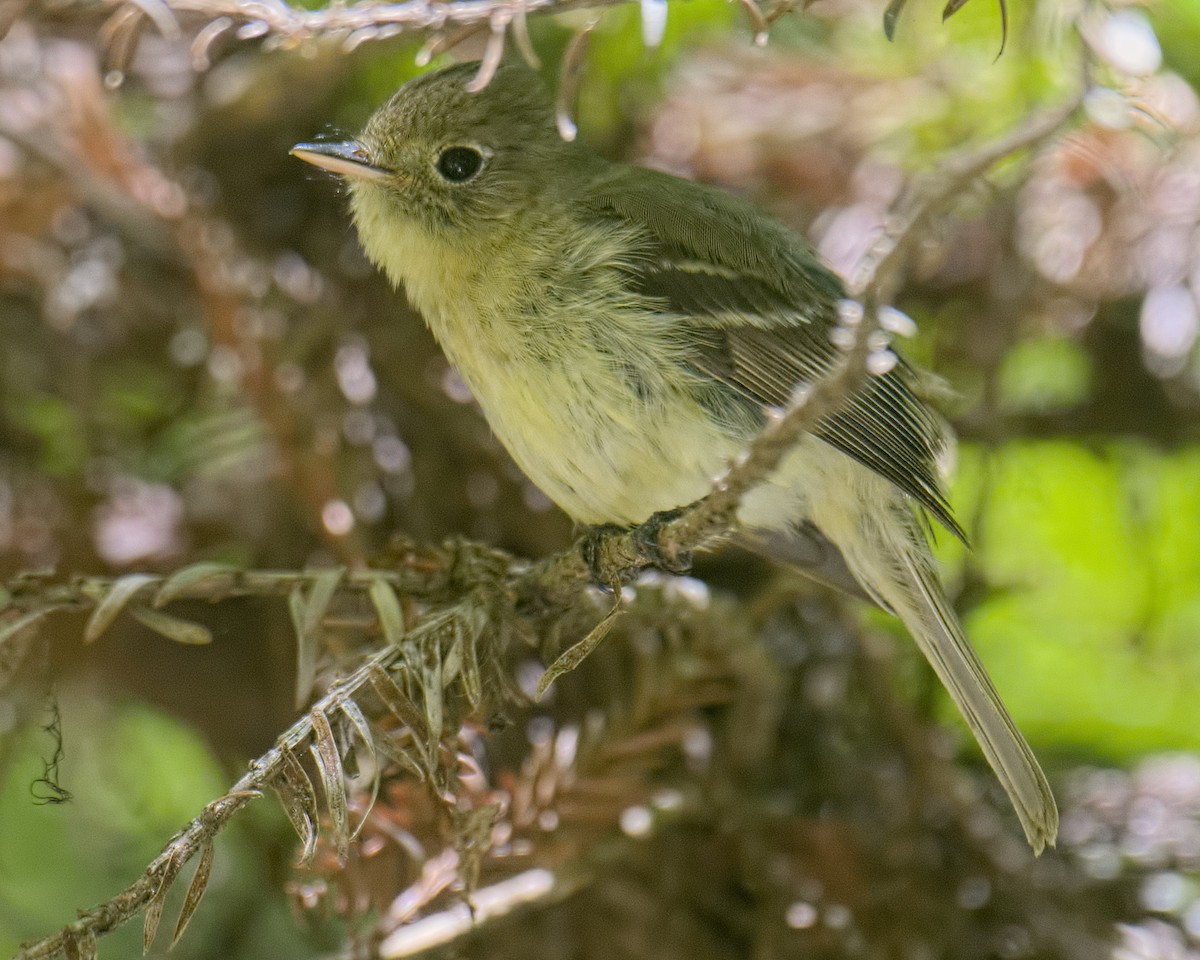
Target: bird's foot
{"type": "Point", "coordinates": [607, 550]}
{"type": "Point", "coordinates": [603, 552]}
{"type": "Point", "coordinates": [648, 536]}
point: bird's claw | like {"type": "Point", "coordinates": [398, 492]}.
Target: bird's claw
{"type": "Point", "coordinates": [611, 565]}
{"type": "Point", "coordinates": [606, 569]}
{"type": "Point", "coordinates": [648, 536]}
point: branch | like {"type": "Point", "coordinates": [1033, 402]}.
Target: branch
{"type": "Point", "coordinates": [283, 25]}
{"type": "Point", "coordinates": [647, 735]}
{"type": "Point", "coordinates": [875, 282]}
{"type": "Point", "coordinates": [294, 25]}
{"type": "Point", "coordinates": [149, 890]}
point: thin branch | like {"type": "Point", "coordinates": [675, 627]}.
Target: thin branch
{"type": "Point", "coordinates": [212, 582]}
{"type": "Point", "coordinates": [875, 282]}
{"type": "Point", "coordinates": [661, 725]}
{"type": "Point", "coordinates": [265, 772]}
{"type": "Point", "coordinates": [126, 905]}
{"type": "Point", "coordinates": [288, 26]}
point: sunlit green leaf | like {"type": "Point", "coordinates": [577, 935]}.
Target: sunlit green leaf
{"type": "Point", "coordinates": [1044, 375]}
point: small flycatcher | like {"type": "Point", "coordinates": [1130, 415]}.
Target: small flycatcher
{"type": "Point", "coordinates": [626, 332]}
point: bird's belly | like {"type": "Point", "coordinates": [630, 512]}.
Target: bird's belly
{"type": "Point", "coordinates": [601, 451]}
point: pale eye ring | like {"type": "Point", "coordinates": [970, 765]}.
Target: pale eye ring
{"type": "Point", "coordinates": [459, 164]}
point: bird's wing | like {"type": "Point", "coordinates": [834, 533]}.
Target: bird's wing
{"type": "Point", "coordinates": [760, 309]}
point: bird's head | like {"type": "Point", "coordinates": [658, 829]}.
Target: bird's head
{"type": "Point", "coordinates": [450, 158]}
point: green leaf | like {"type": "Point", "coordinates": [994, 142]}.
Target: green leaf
{"type": "Point", "coordinates": [107, 610]}
{"type": "Point", "coordinates": [1092, 560]}
{"type": "Point", "coordinates": [306, 647]}
{"type": "Point", "coordinates": [891, 16]}
{"type": "Point", "coordinates": [387, 606]}
{"type": "Point", "coordinates": [190, 578]}
{"type": "Point", "coordinates": [307, 615]}
{"type": "Point", "coordinates": [453, 661]}
{"type": "Point", "coordinates": [324, 586]}
{"type": "Point", "coordinates": [433, 687]}
{"type": "Point", "coordinates": [180, 631]}
{"type": "Point", "coordinates": [1045, 375]}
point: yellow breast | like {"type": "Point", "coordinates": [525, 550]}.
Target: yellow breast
{"type": "Point", "coordinates": [577, 379]}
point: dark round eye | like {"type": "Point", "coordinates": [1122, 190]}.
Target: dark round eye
{"type": "Point", "coordinates": [459, 164]}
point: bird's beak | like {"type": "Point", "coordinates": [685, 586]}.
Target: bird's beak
{"type": "Point", "coordinates": [347, 158]}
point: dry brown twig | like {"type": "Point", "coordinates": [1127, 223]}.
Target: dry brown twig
{"type": "Point", "coordinates": [280, 24]}
{"type": "Point", "coordinates": [279, 769]}
{"type": "Point", "coordinates": [554, 585]}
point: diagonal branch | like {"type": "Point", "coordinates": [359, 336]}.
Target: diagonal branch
{"type": "Point", "coordinates": [265, 773]}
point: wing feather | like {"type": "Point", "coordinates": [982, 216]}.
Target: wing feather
{"type": "Point", "coordinates": [759, 308]}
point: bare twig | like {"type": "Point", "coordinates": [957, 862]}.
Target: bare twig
{"type": "Point", "coordinates": [875, 279]}
{"type": "Point", "coordinates": [123, 907]}
{"type": "Point", "coordinates": [288, 26]}
{"type": "Point", "coordinates": [656, 730]}
{"type": "Point", "coordinates": [569, 78]}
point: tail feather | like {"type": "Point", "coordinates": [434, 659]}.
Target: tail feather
{"type": "Point", "coordinates": [940, 637]}
{"type": "Point", "coordinates": [890, 557]}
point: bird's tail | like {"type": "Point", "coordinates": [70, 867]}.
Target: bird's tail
{"type": "Point", "coordinates": [888, 554]}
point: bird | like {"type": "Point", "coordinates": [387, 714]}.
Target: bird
{"type": "Point", "coordinates": [627, 332]}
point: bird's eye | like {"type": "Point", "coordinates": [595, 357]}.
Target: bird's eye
{"type": "Point", "coordinates": [459, 164]}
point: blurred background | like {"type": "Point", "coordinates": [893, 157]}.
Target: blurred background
{"type": "Point", "coordinates": [198, 364]}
